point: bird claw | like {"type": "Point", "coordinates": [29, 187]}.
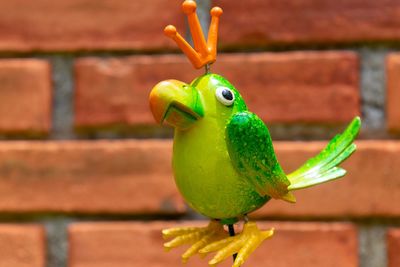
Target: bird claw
{"type": "Point", "coordinates": [198, 237]}
{"type": "Point", "coordinates": [243, 244]}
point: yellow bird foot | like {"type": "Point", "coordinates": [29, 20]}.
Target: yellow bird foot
{"type": "Point", "coordinates": [198, 237]}
{"type": "Point", "coordinates": [243, 244]}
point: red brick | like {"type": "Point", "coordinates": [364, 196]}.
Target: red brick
{"type": "Point", "coordinates": [136, 177]}
{"type": "Point", "coordinates": [283, 87]}
{"type": "Point", "coordinates": [260, 22]}
{"type": "Point", "coordinates": [368, 190]}
{"type": "Point", "coordinates": [116, 91]}
{"type": "Point", "coordinates": [75, 25]}
{"type": "Point", "coordinates": [22, 246]}
{"type": "Point", "coordinates": [26, 96]}
{"type": "Point", "coordinates": [393, 92]}
{"type": "Point", "coordinates": [296, 86]}
{"type": "Point", "coordinates": [87, 177]}
{"type": "Point", "coordinates": [140, 244]}
{"type": "Point", "coordinates": [393, 247]}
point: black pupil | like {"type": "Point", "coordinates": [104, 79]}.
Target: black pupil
{"type": "Point", "coordinates": [227, 94]}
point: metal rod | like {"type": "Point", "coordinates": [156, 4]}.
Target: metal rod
{"type": "Point", "coordinates": [232, 233]}
{"type": "Point", "coordinates": [207, 68]}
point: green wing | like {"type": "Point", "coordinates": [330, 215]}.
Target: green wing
{"type": "Point", "coordinates": [323, 167]}
{"type": "Point", "coordinates": [252, 154]}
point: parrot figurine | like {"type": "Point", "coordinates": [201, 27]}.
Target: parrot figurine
{"type": "Point", "coordinates": [223, 157]}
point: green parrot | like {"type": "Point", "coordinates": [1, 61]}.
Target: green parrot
{"type": "Point", "coordinates": [224, 161]}
{"type": "Point", "coordinates": [223, 158]}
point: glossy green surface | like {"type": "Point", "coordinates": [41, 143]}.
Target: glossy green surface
{"type": "Point", "coordinates": [251, 151]}
{"type": "Point", "coordinates": [223, 159]}
{"type": "Point", "coordinates": [323, 167]}
{"type": "Point", "coordinates": [203, 169]}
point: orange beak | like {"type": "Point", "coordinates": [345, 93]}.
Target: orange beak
{"type": "Point", "coordinates": [176, 103]}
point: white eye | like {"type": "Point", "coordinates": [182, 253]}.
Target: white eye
{"type": "Point", "coordinates": [225, 96]}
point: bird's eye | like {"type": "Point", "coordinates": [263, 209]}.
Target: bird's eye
{"type": "Point", "coordinates": [225, 96]}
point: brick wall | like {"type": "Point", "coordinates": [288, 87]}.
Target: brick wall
{"type": "Point", "coordinates": [85, 176]}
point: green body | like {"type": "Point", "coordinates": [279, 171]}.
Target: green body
{"type": "Point", "coordinates": [202, 166]}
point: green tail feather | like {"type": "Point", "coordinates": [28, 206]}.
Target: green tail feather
{"type": "Point", "coordinates": [323, 167]}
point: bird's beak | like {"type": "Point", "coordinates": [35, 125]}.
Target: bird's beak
{"type": "Point", "coordinates": [176, 103]}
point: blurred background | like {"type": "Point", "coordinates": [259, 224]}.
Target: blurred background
{"type": "Point", "coordinates": [85, 176]}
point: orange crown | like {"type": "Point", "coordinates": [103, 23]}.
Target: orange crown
{"type": "Point", "coordinates": [203, 53]}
